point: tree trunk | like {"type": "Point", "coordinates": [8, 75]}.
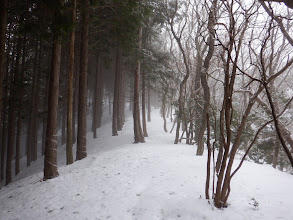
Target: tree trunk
{"type": "Point", "coordinates": [116, 94]}
{"type": "Point", "coordinates": [75, 107]}
{"type": "Point", "coordinates": [35, 111]}
{"type": "Point", "coordinates": [69, 140]}
{"type": "Point", "coordinates": [276, 152]}
{"type": "Point", "coordinates": [82, 102]}
{"type": "Point", "coordinates": [14, 101]}
{"type": "Point", "coordinates": [3, 27]}
{"type": "Point", "coordinates": [20, 108]}
{"type": "Point", "coordinates": [45, 114]}
{"type": "Point", "coordinates": [203, 78]}
{"type": "Point", "coordinates": [30, 128]}
{"type": "Point", "coordinates": [164, 99]}
{"type": "Point", "coordinates": [64, 118]}
{"type": "Point", "coordinates": [149, 101]}
{"type": "Point", "coordinates": [96, 99]}
{"type": "Point", "coordinates": [143, 100]}
{"type": "Point", "coordinates": [209, 158]}
{"type": "Point", "coordinates": [100, 93]}
{"type": "Point", "coordinates": [120, 121]}
{"type": "Point", "coordinates": [138, 135]}
{"type": "Point", "coordinates": [50, 167]}
{"type": "Point", "coordinates": [5, 113]}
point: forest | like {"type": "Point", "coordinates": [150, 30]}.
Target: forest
{"type": "Point", "coordinates": [218, 72]}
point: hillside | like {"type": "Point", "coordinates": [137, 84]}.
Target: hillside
{"type": "Point", "coordinates": [155, 180]}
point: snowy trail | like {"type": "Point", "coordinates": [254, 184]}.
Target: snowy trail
{"type": "Point", "coordinates": [155, 180]}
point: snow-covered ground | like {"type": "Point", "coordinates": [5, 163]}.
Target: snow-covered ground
{"type": "Point", "coordinates": [155, 180]}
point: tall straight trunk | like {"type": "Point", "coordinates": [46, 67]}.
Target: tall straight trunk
{"type": "Point", "coordinates": [69, 140]}
{"type": "Point", "coordinates": [165, 91]}
{"type": "Point", "coordinates": [30, 129]}
{"type": "Point", "coordinates": [50, 161]}
{"type": "Point", "coordinates": [75, 102]}
{"type": "Point", "coordinates": [116, 94]}
{"type": "Point", "coordinates": [10, 143]}
{"type": "Point", "coordinates": [20, 109]}
{"type": "Point", "coordinates": [45, 114]}
{"type": "Point", "coordinates": [3, 28]}
{"type": "Point", "coordinates": [149, 101]}
{"type": "Point", "coordinates": [96, 99]}
{"type": "Point", "coordinates": [35, 111]}
{"type": "Point", "coordinates": [82, 100]}
{"type": "Point", "coordinates": [5, 118]}
{"type": "Point", "coordinates": [122, 98]}
{"type": "Point", "coordinates": [64, 119]}
{"type": "Point", "coordinates": [4, 135]}
{"type": "Point", "coordinates": [143, 100]}
{"type": "Point", "coordinates": [138, 135]}
{"type": "Point", "coordinates": [14, 97]}
{"type": "Point", "coordinates": [100, 92]}
{"type": "Point", "coordinates": [120, 121]}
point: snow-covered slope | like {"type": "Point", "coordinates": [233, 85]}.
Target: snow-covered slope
{"type": "Point", "coordinates": [155, 180]}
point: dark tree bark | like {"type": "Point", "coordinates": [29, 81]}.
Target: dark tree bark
{"type": "Point", "coordinates": [64, 118]}
{"type": "Point", "coordinates": [82, 102]}
{"type": "Point", "coordinates": [138, 135]}
{"type": "Point", "coordinates": [69, 141]}
{"type": "Point", "coordinates": [20, 109]}
{"type": "Point", "coordinates": [50, 167]}
{"type": "Point", "coordinates": [35, 110]}
{"type": "Point", "coordinates": [149, 101]}
{"type": "Point", "coordinates": [143, 100]}
{"type": "Point", "coordinates": [14, 95]}
{"type": "Point", "coordinates": [75, 107]}
{"type": "Point", "coordinates": [45, 114]}
{"type": "Point", "coordinates": [164, 100]}
{"type": "Point", "coordinates": [30, 129]}
{"type": "Point", "coordinates": [100, 93]}
{"type": "Point", "coordinates": [116, 93]}
{"type": "Point", "coordinates": [3, 28]}
{"type": "Point", "coordinates": [121, 101]}
{"type": "Point", "coordinates": [96, 99]}
{"type": "Point", "coordinates": [276, 152]}
{"type": "Point", "coordinates": [209, 158]}
{"type": "Point", "coordinates": [5, 113]}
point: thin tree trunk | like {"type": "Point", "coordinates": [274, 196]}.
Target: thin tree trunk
{"type": "Point", "coordinates": [75, 107]}
{"type": "Point", "coordinates": [276, 152]}
{"type": "Point", "coordinates": [12, 113]}
{"type": "Point", "coordinates": [149, 101]}
{"type": "Point", "coordinates": [100, 97]}
{"type": "Point", "coordinates": [20, 108]}
{"type": "Point", "coordinates": [64, 118]}
{"type": "Point", "coordinates": [45, 114]}
{"type": "Point", "coordinates": [165, 91]}
{"type": "Point", "coordinates": [138, 135]}
{"type": "Point", "coordinates": [82, 102]}
{"type": "Point", "coordinates": [96, 99]}
{"type": "Point", "coordinates": [30, 128]}
{"type": "Point", "coordinates": [36, 108]}
{"type": "Point", "coordinates": [116, 94]}
{"type": "Point", "coordinates": [50, 161]}
{"type": "Point", "coordinates": [69, 140]}
{"type": "Point", "coordinates": [120, 121]}
{"type": "Point", "coordinates": [143, 100]}
{"type": "Point", "coordinates": [209, 158]}
{"type": "Point", "coordinates": [3, 28]}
